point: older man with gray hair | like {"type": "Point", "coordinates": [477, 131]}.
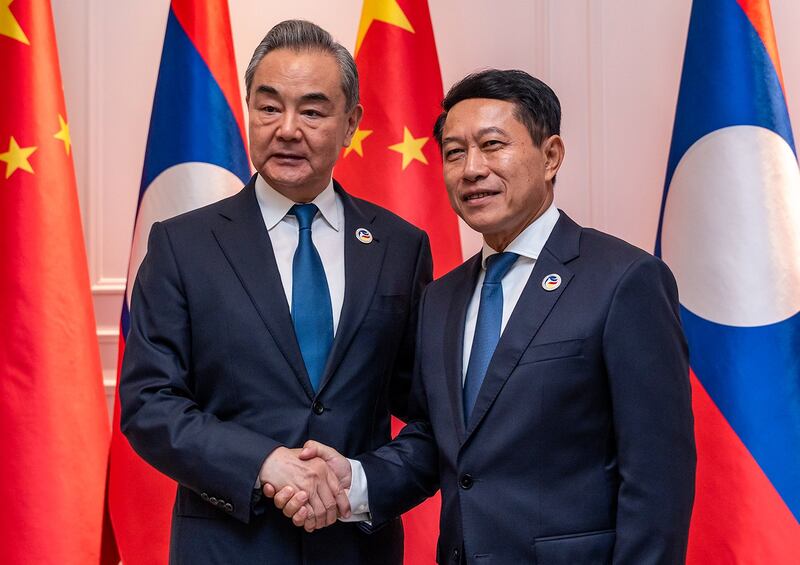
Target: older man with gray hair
{"type": "Point", "coordinates": [282, 314]}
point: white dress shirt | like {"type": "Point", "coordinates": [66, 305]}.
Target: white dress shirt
{"type": "Point", "coordinates": [528, 245]}
{"type": "Point", "coordinates": [327, 232]}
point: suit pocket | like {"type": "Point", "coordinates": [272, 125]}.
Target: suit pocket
{"type": "Point", "coordinates": [587, 548]}
{"type": "Point", "coordinates": [396, 303]}
{"type": "Point", "coordinates": [551, 351]}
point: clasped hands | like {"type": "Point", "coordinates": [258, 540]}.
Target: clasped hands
{"type": "Point", "coordinates": [308, 485]}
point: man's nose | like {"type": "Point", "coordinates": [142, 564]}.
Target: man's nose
{"type": "Point", "coordinates": [289, 126]}
{"type": "Point", "coordinates": [475, 165]}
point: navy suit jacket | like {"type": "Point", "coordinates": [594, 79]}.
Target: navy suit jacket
{"type": "Point", "coordinates": [213, 379]}
{"type": "Point", "coordinates": [580, 448]}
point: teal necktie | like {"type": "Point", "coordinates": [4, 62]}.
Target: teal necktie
{"type": "Point", "coordinates": [487, 327]}
{"type": "Point", "coordinates": [311, 300]}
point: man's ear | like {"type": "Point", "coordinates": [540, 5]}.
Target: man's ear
{"type": "Point", "coordinates": [352, 123]}
{"type": "Point", "coordinates": [553, 150]}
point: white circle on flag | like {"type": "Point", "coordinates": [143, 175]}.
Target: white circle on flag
{"type": "Point", "coordinates": [731, 231]}
{"type": "Point", "coordinates": [177, 190]}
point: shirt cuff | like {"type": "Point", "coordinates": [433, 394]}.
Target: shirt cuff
{"type": "Point", "coordinates": [357, 494]}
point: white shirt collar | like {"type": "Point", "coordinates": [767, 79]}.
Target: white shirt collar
{"type": "Point", "coordinates": [530, 242]}
{"type": "Point", "coordinates": [275, 205]}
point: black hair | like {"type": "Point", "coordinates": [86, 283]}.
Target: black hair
{"type": "Point", "coordinates": [537, 106]}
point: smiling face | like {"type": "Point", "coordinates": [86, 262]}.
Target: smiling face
{"type": "Point", "coordinates": [497, 179]}
{"type": "Point", "coordinates": [297, 121]}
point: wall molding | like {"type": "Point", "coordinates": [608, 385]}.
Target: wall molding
{"type": "Point", "coordinates": [597, 115]}
{"type": "Point", "coordinates": [109, 285]}
{"type": "Point", "coordinates": [94, 119]}
{"type": "Point", "coordinates": [541, 55]}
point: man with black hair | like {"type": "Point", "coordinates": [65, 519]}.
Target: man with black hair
{"type": "Point", "coordinates": [551, 398]}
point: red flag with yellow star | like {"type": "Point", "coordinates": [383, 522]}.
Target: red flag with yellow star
{"type": "Point", "coordinates": [54, 429]}
{"type": "Point", "coordinates": [394, 161]}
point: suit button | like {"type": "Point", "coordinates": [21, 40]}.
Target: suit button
{"type": "Point", "coordinates": [466, 482]}
{"type": "Point", "coordinates": [229, 507]}
{"type": "Point", "coordinates": [213, 500]}
{"type": "Point", "coordinates": [317, 407]}
{"type": "Point", "coordinates": [456, 555]}
{"type": "Point", "coordinates": [220, 502]}
{"type": "Point", "coordinates": [204, 496]}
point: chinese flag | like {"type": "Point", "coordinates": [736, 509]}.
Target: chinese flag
{"type": "Point", "coordinates": [54, 429]}
{"type": "Point", "coordinates": [394, 161]}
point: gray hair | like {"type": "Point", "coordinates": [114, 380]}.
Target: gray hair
{"type": "Point", "coordinates": [303, 35]}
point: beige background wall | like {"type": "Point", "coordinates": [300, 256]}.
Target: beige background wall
{"type": "Point", "coordinates": [615, 64]}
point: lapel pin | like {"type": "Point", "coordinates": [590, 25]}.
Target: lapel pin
{"type": "Point", "coordinates": [551, 282]}
{"type": "Point", "coordinates": [363, 235]}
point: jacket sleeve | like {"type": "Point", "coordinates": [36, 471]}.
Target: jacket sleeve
{"type": "Point", "coordinates": [647, 362]}
{"type": "Point", "coordinates": [159, 415]}
{"type": "Point", "coordinates": [404, 472]}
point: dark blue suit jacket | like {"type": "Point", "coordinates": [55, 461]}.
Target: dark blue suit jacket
{"type": "Point", "coordinates": [213, 379]}
{"type": "Point", "coordinates": [580, 448]}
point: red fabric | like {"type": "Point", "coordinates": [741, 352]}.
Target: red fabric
{"type": "Point", "coordinates": [401, 88]}
{"type": "Point", "coordinates": [738, 515]}
{"type": "Point", "coordinates": [53, 419]}
{"type": "Point", "coordinates": [140, 498]}
{"type": "Point", "coordinates": [421, 525]}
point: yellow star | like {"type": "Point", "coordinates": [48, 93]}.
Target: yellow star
{"type": "Point", "coordinates": [63, 134]}
{"type": "Point", "coordinates": [410, 148]}
{"type": "Point", "coordinates": [387, 11]}
{"type": "Point", "coordinates": [355, 144]}
{"type": "Point", "coordinates": [17, 157]}
{"type": "Point", "coordinates": [9, 25]}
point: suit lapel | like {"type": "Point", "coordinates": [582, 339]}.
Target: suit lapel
{"type": "Point", "coordinates": [245, 242]}
{"type": "Point", "coordinates": [362, 267]}
{"type": "Point", "coordinates": [462, 291]}
{"type": "Point", "coordinates": [533, 307]}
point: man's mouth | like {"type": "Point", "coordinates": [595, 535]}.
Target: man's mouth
{"type": "Point", "coordinates": [472, 196]}
{"type": "Point", "coordinates": [287, 156]}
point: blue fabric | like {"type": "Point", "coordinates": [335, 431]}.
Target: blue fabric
{"type": "Point", "coordinates": [311, 300]}
{"type": "Point", "coordinates": [751, 373]}
{"type": "Point", "coordinates": [728, 80]}
{"type": "Point", "coordinates": [191, 120]}
{"type": "Point", "coordinates": [487, 327]}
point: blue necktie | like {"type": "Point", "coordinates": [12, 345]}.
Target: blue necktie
{"type": "Point", "coordinates": [311, 300]}
{"type": "Point", "coordinates": [487, 327]}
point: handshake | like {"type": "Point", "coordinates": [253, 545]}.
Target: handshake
{"type": "Point", "coordinates": [309, 484]}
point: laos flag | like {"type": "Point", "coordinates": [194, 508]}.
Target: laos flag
{"type": "Point", "coordinates": [730, 231]}
{"type": "Point", "coordinates": [195, 155]}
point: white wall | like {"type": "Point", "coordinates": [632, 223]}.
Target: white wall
{"type": "Point", "coordinates": [615, 64]}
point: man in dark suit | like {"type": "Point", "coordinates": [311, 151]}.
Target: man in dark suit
{"type": "Point", "coordinates": [551, 398]}
{"type": "Point", "coordinates": [281, 314]}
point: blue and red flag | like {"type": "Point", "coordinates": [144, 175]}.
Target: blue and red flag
{"type": "Point", "coordinates": [196, 154]}
{"type": "Point", "coordinates": [730, 231]}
